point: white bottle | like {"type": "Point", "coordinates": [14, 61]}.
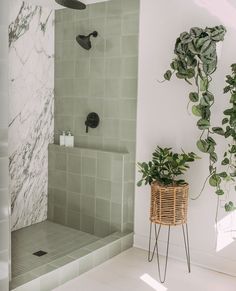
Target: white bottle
{"type": "Point", "coordinates": [63, 138]}
{"type": "Point", "coordinates": [69, 140]}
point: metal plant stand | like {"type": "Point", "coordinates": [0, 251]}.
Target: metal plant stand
{"type": "Point", "coordinates": [156, 249]}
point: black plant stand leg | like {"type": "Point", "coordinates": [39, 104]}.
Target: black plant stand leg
{"type": "Point", "coordinates": [155, 248]}
{"type": "Point", "coordinates": [186, 245]}
{"type": "Point", "coordinates": [167, 254]}
{"type": "Point", "coordinates": [151, 254]}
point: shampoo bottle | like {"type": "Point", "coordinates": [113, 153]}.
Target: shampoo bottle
{"type": "Point", "coordinates": [62, 138]}
{"type": "Point", "coordinates": [69, 140]}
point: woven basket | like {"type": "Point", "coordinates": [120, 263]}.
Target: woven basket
{"type": "Point", "coordinates": [169, 204]}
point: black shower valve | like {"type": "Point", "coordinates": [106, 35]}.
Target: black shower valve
{"type": "Point", "coordinates": [92, 121]}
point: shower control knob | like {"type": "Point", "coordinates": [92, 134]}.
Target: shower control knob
{"type": "Point", "coordinates": [92, 121]}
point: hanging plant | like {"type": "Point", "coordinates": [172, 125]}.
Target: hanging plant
{"type": "Point", "coordinates": [195, 62]}
{"type": "Point", "coordinates": [229, 128]}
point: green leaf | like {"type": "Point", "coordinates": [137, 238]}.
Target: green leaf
{"type": "Point", "coordinates": [196, 110]}
{"type": "Point", "coordinates": [220, 192]}
{"type": "Point", "coordinates": [225, 162]}
{"type": "Point", "coordinates": [223, 174]}
{"type": "Point", "coordinates": [214, 180]}
{"type": "Point", "coordinates": [193, 96]}
{"type": "Point", "coordinates": [203, 124]}
{"type": "Point", "coordinates": [229, 206]}
{"type": "Point", "coordinates": [213, 157]}
{"type": "Point", "coordinates": [139, 184]}
{"type": "Point", "coordinates": [168, 75]}
{"type": "Point", "coordinates": [226, 89]}
{"type": "Point", "coordinates": [205, 147]}
{"type": "Point", "coordinates": [225, 120]}
{"type": "Point", "coordinates": [204, 84]}
{"type": "Point", "coordinates": [218, 130]}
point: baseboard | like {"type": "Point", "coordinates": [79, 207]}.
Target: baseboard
{"type": "Point", "coordinates": [205, 260]}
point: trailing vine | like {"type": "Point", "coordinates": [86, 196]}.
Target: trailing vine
{"type": "Point", "coordinates": [229, 128]}
{"type": "Point", "coordinates": [195, 62]}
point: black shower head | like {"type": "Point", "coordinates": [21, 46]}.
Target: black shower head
{"type": "Point", "coordinates": [73, 4]}
{"type": "Point", "coordinates": [84, 40]}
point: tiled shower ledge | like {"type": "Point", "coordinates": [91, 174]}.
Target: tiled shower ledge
{"type": "Point", "coordinates": [74, 264]}
{"type": "Point", "coordinates": [74, 149]}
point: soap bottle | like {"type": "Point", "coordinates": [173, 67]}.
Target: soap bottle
{"type": "Point", "coordinates": [63, 138]}
{"type": "Point", "coordinates": [69, 140]}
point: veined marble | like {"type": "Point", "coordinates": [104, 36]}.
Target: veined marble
{"type": "Point", "coordinates": [31, 57]}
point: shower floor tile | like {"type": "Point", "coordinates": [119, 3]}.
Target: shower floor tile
{"type": "Point", "coordinates": [54, 239]}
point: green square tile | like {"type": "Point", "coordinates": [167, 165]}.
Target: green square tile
{"type": "Point", "coordinates": [65, 88]}
{"type": "Point", "coordinates": [104, 168]}
{"type": "Point", "coordinates": [102, 228]}
{"type": "Point", "coordinates": [114, 7]}
{"type": "Point", "coordinates": [50, 281]}
{"type": "Point", "coordinates": [81, 27]}
{"type": "Point", "coordinates": [85, 264]}
{"type": "Point", "coordinates": [130, 67]}
{"type": "Point", "coordinates": [87, 205]}
{"type": "Point", "coordinates": [128, 130]}
{"type": "Point", "coordinates": [97, 87]}
{"type": "Point", "coordinates": [116, 217]}
{"type": "Point", "coordinates": [111, 108]}
{"type": "Point", "coordinates": [97, 67]}
{"type": "Point", "coordinates": [74, 164]}
{"type": "Point", "coordinates": [117, 192]}
{"type": "Point", "coordinates": [88, 186]}
{"type": "Point", "coordinates": [81, 87]}
{"type": "Point", "coordinates": [117, 170]}
{"type": "Point", "coordinates": [129, 171]}
{"type": "Point", "coordinates": [64, 69]}
{"type": "Point", "coordinates": [89, 167]}
{"type": "Point", "coordinates": [82, 68]}
{"type": "Point", "coordinates": [60, 161]}
{"type": "Point", "coordinates": [113, 67]}
{"type": "Point", "coordinates": [111, 129]}
{"type": "Point", "coordinates": [103, 189]}
{"type": "Point", "coordinates": [130, 45]}
{"type": "Point", "coordinates": [130, 5]}
{"type": "Point", "coordinates": [127, 242]}
{"type": "Point", "coordinates": [81, 106]}
{"type": "Point", "coordinates": [129, 88]}
{"type": "Point", "coordinates": [128, 109]}
{"type": "Point", "coordinates": [103, 209]}
{"type": "Point", "coordinates": [113, 25]}
{"type": "Point", "coordinates": [59, 214]}
{"type": "Point", "coordinates": [74, 183]}
{"type": "Point", "coordinates": [130, 24]}
{"type": "Point", "coordinates": [80, 127]}
{"type": "Point", "coordinates": [73, 219]}
{"type": "Point", "coordinates": [64, 106]}
{"type": "Point", "coordinates": [115, 248]}
{"type": "Point", "coordinates": [73, 201]}
{"type": "Point", "coordinates": [59, 197]}
{"type": "Point", "coordinates": [113, 88]}
{"type": "Point", "coordinates": [113, 46]}
{"type": "Point", "coordinates": [97, 10]}
{"type": "Point", "coordinates": [87, 223]}
{"type": "Point", "coordinates": [100, 256]}
{"type": "Point", "coordinates": [57, 179]}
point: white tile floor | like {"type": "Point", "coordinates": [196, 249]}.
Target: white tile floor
{"type": "Point", "coordinates": [130, 271]}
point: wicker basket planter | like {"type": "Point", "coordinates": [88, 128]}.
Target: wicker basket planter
{"type": "Point", "coordinates": [169, 204]}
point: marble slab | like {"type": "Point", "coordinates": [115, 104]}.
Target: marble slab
{"type": "Point", "coordinates": [31, 73]}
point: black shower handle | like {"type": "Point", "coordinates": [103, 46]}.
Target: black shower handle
{"type": "Point", "coordinates": [92, 121]}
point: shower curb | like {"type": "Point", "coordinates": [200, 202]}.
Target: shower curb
{"type": "Point", "coordinates": [80, 261]}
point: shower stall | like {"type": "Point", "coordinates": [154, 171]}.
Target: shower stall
{"type": "Point", "coordinates": [71, 207]}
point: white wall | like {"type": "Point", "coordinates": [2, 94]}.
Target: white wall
{"type": "Point", "coordinates": [163, 120]}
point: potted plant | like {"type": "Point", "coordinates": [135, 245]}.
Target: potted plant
{"type": "Point", "coordinates": [169, 195]}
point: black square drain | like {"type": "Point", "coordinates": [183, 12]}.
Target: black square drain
{"type": "Point", "coordinates": [39, 253]}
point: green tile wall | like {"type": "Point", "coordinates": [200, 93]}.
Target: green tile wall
{"type": "Point", "coordinates": [103, 80]}
{"type": "Point", "coordinates": [87, 189]}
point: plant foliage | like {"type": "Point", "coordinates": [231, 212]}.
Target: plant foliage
{"type": "Point", "coordinates": [165, 167]}
{"type": "Point", "coordinates": [195, 61]}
